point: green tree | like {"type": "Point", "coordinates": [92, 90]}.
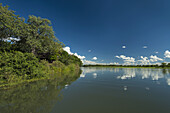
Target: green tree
{"type": "Point", "coordinates": [69, 59]}
{"type": "Point", "coordinates": [163, 65]}
{"type": "Point", "coordinates": [11, 25]}
{"type": "Point", "coordinates": [36, 52]}
{"type": "Point", "coordinates": [168, 64]}
{"type": "Point", "coordinates": [40, 39]}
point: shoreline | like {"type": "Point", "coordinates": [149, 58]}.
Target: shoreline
{"type": "Point", "coordinates": [8, 85]}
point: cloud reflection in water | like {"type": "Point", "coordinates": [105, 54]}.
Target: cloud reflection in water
{"type": "Point", "coordinates": [130, 73]}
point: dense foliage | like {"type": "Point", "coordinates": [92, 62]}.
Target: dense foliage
{"type": "Point", "coordinates": [29, 49]}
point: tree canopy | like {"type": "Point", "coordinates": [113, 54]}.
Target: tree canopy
{"type": "Point", "coordinates": [35, 35]}
{"type": "Point", "coordinates": [29, 48]}
{"type": "Point", "coordinates": [11, 25]}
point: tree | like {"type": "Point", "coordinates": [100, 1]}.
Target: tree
{"type": "Point", "coordinates": [11, 25]}
{"type": "Point", "coordinates": [69, 59]}
{"type": "Point", "coordinates": [30, 49]}
{"type": "Point", "coordinates": [40, 39]}
{"type": "Point", "coordinates": [163, 65]}
{"type": "Point", "coordinates": [35, 36]}
{"type": "Point", "coordinates": [168, 64]}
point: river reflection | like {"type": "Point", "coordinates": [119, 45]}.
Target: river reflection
{"type": "Point", "coordinates": [130, 73]}
{"type": "Point", "coordinates": [95, 90]}
{"type": "Point", "coordinates": [37, 97]}
{"type": "Point", "coordinates": [117, 90]}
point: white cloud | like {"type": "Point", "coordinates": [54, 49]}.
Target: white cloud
{"type": "Point", "coordinates": [67, 49]}
{"type": "Point", "coordinates": [154, 58]}
{"type": "Point", "coordinates": [156, 52]}
{"type": "Point", "coordinates": [145, 47]}
{"type": "Point", "coordinates": [117, 56]}
{"type": "Point", "coordinates": [88, 62]}
{"type": "Point", "coordinates": [89, 50]}
{"type": "Point", "coordinates": [80, 57]}
{"type": "Point", "coordinates": [167, 54]}
{"type": "Point", "coordinates": [126, 59]}
{"type": "Point", "coordinates": [115, 63]}
{"type": "Point", "coordinates": [144, 60]}
{"type": "Point", "coordinates": [94, 58]}
{"type": "Point", "coordinates": [123, 47]}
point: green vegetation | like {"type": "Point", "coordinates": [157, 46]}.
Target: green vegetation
{"type": "Point", "coordinates": [163, 65]}
{"type": "Point", "coordinates": [30, 50]}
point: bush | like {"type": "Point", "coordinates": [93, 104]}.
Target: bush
{"type": "Point", "coordinates": [19, 64]}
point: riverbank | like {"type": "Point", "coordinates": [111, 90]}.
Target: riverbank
{"type": "Point", "coordinates": [58, 76]}
{"type": "Point", "coordinates": [30, 50]}
{"type": "Point", "coordinates": [17, 67]}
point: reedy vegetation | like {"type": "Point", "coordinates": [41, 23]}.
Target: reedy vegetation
{"type": "Point", "coordinates": [32, 49]}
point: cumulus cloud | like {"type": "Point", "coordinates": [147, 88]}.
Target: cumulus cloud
{"type": "Point", "coordinates": [154, 58]}
{"type": "Point", "coordinates": [115, 63]}
{"type": "Point", "coordinates": [89, 50]}
{"type": "Point", "coordinates": [123, 47]}
{"type": "Point", "coordinates": [80, 57]}
{"type": "Point", "coordinates": [144, 60]}
{"type": "Point", "coordinates": [67, 49]}
{"type": "Point", "coordinates": [156, 52]}
{"type": "Point", "coordinates": [126, 59]}
{"type": "Point", "coordinates": [167, 54]}
{"type": "Point", "coordinates": [117, 56]}
{"type": "Point", "coordinates": [145, 47]}
{"type": "Point", "coordinates": [94, 58]}
{"type": "Point", "coordinates": [88, 62]}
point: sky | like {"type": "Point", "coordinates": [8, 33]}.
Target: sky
{"type": "Point", "coordinates": [106, 31]}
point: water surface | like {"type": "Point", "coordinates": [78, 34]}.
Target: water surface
{"type": "Point", "coordinates": [97, 90]}
{"type": "Point", "coordinates": [117, 90]}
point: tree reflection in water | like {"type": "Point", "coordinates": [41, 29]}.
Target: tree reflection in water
{"type": "Point", "coordinates": [39, 96]}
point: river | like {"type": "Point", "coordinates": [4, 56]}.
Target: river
{"type": "Point", "coordinates": [95, 90]}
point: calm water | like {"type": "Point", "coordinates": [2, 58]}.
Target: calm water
{"type": "Point", "coordinates": [97, 90]}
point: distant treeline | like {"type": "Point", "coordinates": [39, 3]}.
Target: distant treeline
{"type": "Point", "coordinates": [163, 65]}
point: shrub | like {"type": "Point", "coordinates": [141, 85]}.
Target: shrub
{"type": "Point", "coordinates": [19, 64]}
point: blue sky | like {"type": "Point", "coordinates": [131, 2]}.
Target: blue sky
{"type": "Point", "coordinates": [106, 31]}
